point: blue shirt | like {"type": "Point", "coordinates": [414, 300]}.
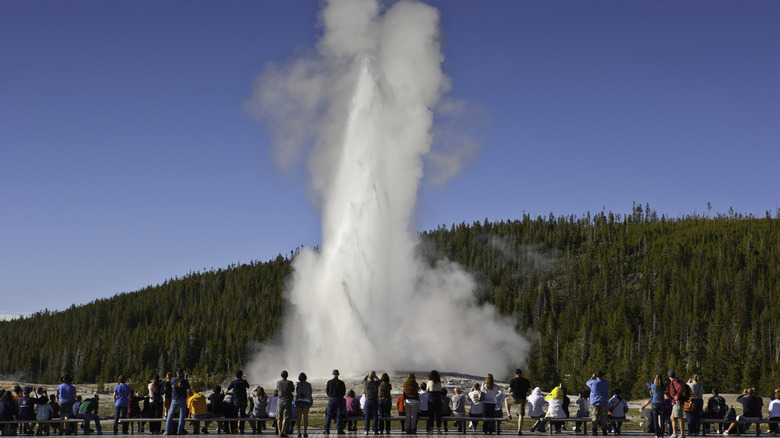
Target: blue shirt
{"type": "Point", "coordinates": [122, 393]}
{"type": "Point", "coordinates": [598, 391]}
{"type": "Point", "coordinates": [180, 387]}
{"type": "Point", "coordinates": [658, 393]}
{"type": "Point", "coordinates": [66, 392]}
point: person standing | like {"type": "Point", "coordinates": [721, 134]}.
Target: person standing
{"type": "Point", "coordinates": [697, 397]}
{"type": "Point", "coordinates": [122, 393]}
{"type": "Point", "coordinates": [303, 402]}
{"type": "Point", "coordinates": [179, 387]}
{"type": "Point", "coordinates": [599, 397]}
{"type": "Point", "coordinates": [66, 394]}
{"type": "Point", "coordinates": [385, 402]}
{"type": "Point", "coordinates": [371, 412]}
{"type": "Point", "coordinates": [284, 408]}
{"type": "Point", "coordinates": [411, 403]}
{"type": "Point", "coordinates": [676, 392]}
{"type": "Point", "coordinates": [657, 390]}
{"type": "Point", "coordinates": [434, 401]}
{"type": "Point", "coordinates": [337, 407]}
{"type": "Point", "coordinates": [239, 385]}
{"type": "Point", "coordinates": [156, 399]}
{"type": "Point", "coordinates": [520, 388]}
{"type": "Point", "coordinates": [489, 391]}
{"type": "Point", "coordinates": [167, 391]}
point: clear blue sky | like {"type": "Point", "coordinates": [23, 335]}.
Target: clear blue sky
{"type": "Point", "coordinates": [126, 157]}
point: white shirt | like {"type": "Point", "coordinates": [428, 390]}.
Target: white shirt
{"type": "Point", "coordinates": [476, 407]}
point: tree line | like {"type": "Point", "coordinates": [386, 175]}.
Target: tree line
{"type": "Point", "coordinates": [632, 295]}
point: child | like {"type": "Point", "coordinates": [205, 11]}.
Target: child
{"type": "Point", "coordinates": [583, 410]}
{"type": "Point", "coordinates": [43, 412]}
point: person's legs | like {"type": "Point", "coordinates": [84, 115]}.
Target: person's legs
{"type": "Point", "coordinates": [520, 415]}
{"type": "Point", "coordinates": [182, 416]}
{"type": "Point", "coordinates": [658, 419]}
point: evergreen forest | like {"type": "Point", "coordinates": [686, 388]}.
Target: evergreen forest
{"type": "Point", "coordinates": [632, 295]}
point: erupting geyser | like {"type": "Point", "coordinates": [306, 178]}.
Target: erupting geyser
{"type": "Point", "coordinates": [362, 106]}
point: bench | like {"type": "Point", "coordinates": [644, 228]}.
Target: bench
{"type": "Point", "coordinates": [740, 420]}
{"type": "Point", "coordinates": [456, 420]}
{"type": "Point", "coordinates": [19, 423]}
{"type": "Point", "coordinates": [140, 420]}
{"type": "Point", "coordinates": [586, 420]}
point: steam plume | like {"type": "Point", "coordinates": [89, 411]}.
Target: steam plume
{"type": "Point", "coordinates": [362, 108]}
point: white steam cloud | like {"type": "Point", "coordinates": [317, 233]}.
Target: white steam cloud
{"type": "Point", "coordinates": [361, 107]}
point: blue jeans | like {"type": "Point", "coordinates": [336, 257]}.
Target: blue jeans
{"type": "Point", "coordinates": [120, 412]}
{"type": "Point", "coordinates": [372, 413]}
{"type": "Point", "coordinates": [384, 411]}
{"type": "Point", "coordinates": [91, 417]}
{"type": "Point", "coordinates": [658, 418]}
{"type": "Point", "coordinates": [181, 404]}
{"type": "Point", "coordinates": [336, 411]}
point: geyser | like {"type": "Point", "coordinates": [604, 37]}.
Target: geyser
{"type": "Point", "coordinates": [362, 106]}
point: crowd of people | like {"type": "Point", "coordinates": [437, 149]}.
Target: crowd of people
{"type": "Point", "coordinates": [174, 400]}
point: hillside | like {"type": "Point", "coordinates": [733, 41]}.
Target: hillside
{"type": "Point", "coordinates": [632, 295]}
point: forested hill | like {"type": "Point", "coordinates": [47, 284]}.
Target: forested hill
{"type": "Point", "coordinates": [632, 295]}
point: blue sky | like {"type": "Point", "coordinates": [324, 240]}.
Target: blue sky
{"type": "Point", "coordinates": [126, 157]}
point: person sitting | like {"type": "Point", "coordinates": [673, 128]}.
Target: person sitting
{"type": "Point", "coordinates": [751, 408]}
{"type": "Point", "coordinates": [617, 407]}
{"type": "Point", "coordinates": [555, 407]}
{"type": "Point", "coordinates": [536, 403]}
{"type": "Point", "coordinates": [774, 412]}
{"type": "Point", "coordinates": [88, 411]}
{"type": "Point", "coordinates": [353, 410]}
{"type": "Point", "coordinates": [476, 408]}
{"type": "Point", "coordinates": [583, 411]}
{"type": "Point", "coordinates": [716, 410]}
{"type": "Point", "coordinates": [198, 408]}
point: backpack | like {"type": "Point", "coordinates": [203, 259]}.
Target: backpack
{"type": "Point", "coordinates": [718, 405]}
{"type": "Point", "coordinates": [399, 403]}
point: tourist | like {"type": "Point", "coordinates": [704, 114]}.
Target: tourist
{"type": "Point", "coordinates": [88, 411]}
{"type": "Point", "coordinates": [583, 411]}
{"type": "Point", "coordinates": [433, 387]}
{"type": "Point", "coordinates": [536, 409]}
{"type": "Point", "coordinates": [179, 387]}
{"type": "Point", "coordinates": [8, 412]}
{"type": "Point", "coordinates": [385, 402]}
{"type": "Point", "coordinates": [774, 412]}
{"type": "Point", "coordinates": [157, 404]}
{"type": "Point", "coordinates": [489, 391]}
{"type": "Point", "coordinates": [272, 407]}
{"type": "Point", "coordinates": [134, 408]}
{"type": "Point", "coordinates": [476, 408]}
{"type": "Point", "coordinates": [66, 395]}
{"type": "Point", "coordinates": [303, 402]}
{"type": "Point", "coordinates": [167, 391]}
{"type": "Point", "coordinates": [555, 407]}
{"type": "Point", "coordinates": [459, 402]}
{"type": "Point", "coordinates": [353, 410]}
{"type": "Point", "coordinates": [239, 386]}
{"type": "Point", "coordinates": [422, 411]}
{"type": "Point", "coordinates": [122, 394]}
{"type": "Point", "coordinates": [411, 403]}
{"type": "Point", "coordinates": [520, 389]}
{"type": "Point", "coordinates": [337, 408]}
{"type": "Point", "coordinates": [55, 407]}
{"type": "Point", "coordinates": [26, 410]}
{"type": "Point", "coordinates": [676, 392]}
{"type": "Point", "coordinates": [751, 408]}
{"type": "Point", "coordinates": [257, 405]}
{"type": "Point", "coordinates": [716, 409]}
{"type": "Point", "coordinates": [286, 391]}
{"type": "Point", "coordinates": [599, 388]}
{"type": "Point", "coordinates": [371, 411]}
{"type": "Point", "coordinates": [657, 390]}
{"type": "Point", "coordinates": [697, 398]}
{"type": "Point", "coordinates": [198, 407]}
{"type": "Point", "coordinates": [617, 407]}
{"type": "Point", "coordinates": [446, 407]}
{"type": "Point", "coordinates": [43, 412]}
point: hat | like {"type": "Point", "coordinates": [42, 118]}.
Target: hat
{"type": "Point", "coordinates": [599, 374]}
{"type": "Point", "coordinates": [518, 371]}
{"type": "Point", "coordinates": [257, 387]}
{"type": "Point", "coordinates": [335, 372]}
{"type": "Point", "coordinates": [180, 371]}
{"type": "Point", "coordinates": [670, 373]}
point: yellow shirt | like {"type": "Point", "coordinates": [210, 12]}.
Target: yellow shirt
{"type": "Point", "coordinates": [197, 404]}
